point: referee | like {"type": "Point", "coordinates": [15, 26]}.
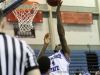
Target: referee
{"type": "Point", "coordinates": [16, 57]}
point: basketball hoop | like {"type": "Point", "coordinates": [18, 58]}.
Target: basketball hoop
{"type": "Point", "coordinates": [25, 15]}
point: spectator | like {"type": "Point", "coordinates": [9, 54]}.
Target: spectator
{"type": "Point", "coordinates": [77, 72]}
{"type": "Point", "coordinates": [97, 73]}
{"type": "Point", "coordinates": [86, 72]}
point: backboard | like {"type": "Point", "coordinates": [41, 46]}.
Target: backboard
{"type": "Point", "coordinates": [10, 5]}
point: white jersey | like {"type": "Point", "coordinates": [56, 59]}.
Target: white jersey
{"type": "Point", "coordinates": [59, 64]}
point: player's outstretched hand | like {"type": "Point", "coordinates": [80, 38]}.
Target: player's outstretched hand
{"type": "Point", "coordinates": [58, 7]}
{"type": "Point", "coordinates": [47, 38]}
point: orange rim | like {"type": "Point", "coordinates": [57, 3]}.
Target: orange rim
{"type": "Point", "coordinates": [28, 2]}
{"type": "Point", "coordinates": [31, 2]}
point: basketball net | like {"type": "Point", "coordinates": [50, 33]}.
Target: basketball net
{"type": "Point", "coordinates": [6, 3]}
{"type": "Point", "coordinates": [25, 15]}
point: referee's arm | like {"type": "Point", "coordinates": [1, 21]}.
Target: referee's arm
{"type": "Point", "coordinates": [31, 63]}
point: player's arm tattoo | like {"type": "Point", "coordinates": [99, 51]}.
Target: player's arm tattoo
{"type": "Point", "coordinates": [42, 51]}
{"type": "Point", "coordinates": [61, 33]}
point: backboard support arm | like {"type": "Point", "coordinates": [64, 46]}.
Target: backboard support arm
{"type": "Point", "coordinates": [13, 6]}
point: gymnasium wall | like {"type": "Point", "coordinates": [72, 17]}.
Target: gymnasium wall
{"type": "Point", "coordinates": [80, 34]}
{"type": "Point", "coordinates": [83, 3]}
{"type": "Point", "coordinates": [77, 36]}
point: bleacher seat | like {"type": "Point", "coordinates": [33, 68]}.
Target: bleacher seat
{"type": "Point", "coordinates": [81, 59]}
{"type": "Point", "coordinates": [98, 54]}
{"type": "Point", "coordinates": [77, 62]}
{"type": "Point", "coordinates": [77, 65]}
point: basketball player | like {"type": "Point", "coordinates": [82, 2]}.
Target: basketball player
{"type": "Point", "coordinates": [16, 56]}
{"type": "Point", "coordinates": [44, 65]}
{"type": "Point", "coordinates": [60, 60]}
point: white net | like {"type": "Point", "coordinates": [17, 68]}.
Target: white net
{"type": "Point", "coordinates": [2, 5]}
{"type": "Point", "coordinates": [25, 14]}
{"type": "Point", "coordinates": [6, 3]}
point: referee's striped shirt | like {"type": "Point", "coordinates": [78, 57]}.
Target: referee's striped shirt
{"type": "Point", "coordinates": [16, 57]}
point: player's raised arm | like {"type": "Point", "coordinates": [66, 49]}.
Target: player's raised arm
{"type": "Point", "coordinates": [61, 32]}
{"type": "Point", "coordinates": [46, 42]}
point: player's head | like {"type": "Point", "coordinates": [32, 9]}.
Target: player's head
{"type": "Point", "coordinates": [57, 48]}
{"type": "Point", "coordinates": [1, 19]}
{"type": "Point", "coordinates": [44, 64]}
{"type": "Point", "coordinates": [77, 70]}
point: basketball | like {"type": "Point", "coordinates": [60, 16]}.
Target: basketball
{"type": "Point", "coordinates": [53, 2]}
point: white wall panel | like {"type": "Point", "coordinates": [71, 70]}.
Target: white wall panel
{"type": "Point", "coordinates": [79, 34]}
{"type": "Point", "coordinates": [40, 1]}
{"type": "Point", "coordinates": [84, 3]}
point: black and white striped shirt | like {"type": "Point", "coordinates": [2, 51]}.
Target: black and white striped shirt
{"type": "Point", "coordinates": [16, 56]}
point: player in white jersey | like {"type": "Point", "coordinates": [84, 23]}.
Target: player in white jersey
{"type": "Point", "coordinates": [60, 60]}
{"type": "Point", "coordinates": [59, 64]}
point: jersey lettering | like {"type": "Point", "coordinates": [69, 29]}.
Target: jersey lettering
{"type": "Point", "coordinates": [55, 56]}
{"type": "Point", "coordinates": [56, 59]}
{"type": "Point", "coordinates": [53, 63]}
{"type": "Point", "coordinates": [55, 68]}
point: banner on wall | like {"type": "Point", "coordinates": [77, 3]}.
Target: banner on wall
{"type": "Point", "coordinates": [76, 17]}
{"type": "Point", "coordinates": [27, 34]}
{"type": "Point", "coordinates": [38, 17]}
